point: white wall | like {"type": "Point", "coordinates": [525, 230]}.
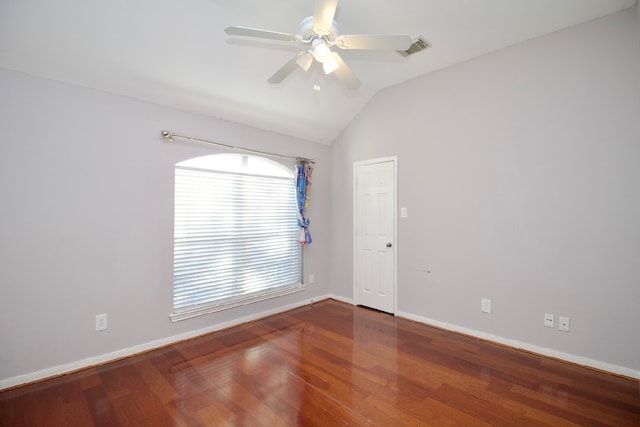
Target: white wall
{"type": "Point", "coordinates": [86, 224]}
{"type": "Point", "coordinates": [520, 171]}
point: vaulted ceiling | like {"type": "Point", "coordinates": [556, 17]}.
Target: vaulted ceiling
{"type": "Point", "coordinates": [176, 53]}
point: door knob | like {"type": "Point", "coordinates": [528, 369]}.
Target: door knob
{"type": "Point", "coordinates": [389, 245]}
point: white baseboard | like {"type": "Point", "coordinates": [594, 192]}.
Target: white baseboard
{"type": "Point", "coordinates": [341, 299]}
{"type": "Point", "coordinates": [603, 366]}
{"type": "Point", "coordinates": [126, 352]}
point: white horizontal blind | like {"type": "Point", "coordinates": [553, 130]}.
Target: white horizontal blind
{"type": "Point", "coordinates": [234, 239]}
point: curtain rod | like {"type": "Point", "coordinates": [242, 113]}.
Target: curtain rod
{"type": "Point", "coordinates": [170, 136]}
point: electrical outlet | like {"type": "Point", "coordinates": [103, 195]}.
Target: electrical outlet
{"type": "Point", "coordinates": [563, 323]}
{"type": "Point", "coordinates": [548, 320]}
{"type": "Point", "coordinates": [101, 322]}
{"type": "Point", "coordinates": [485, 305]}
{"type": "Point", "coordinates": [312, 279]}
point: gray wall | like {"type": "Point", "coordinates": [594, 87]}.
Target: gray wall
{"type": "Point", "coordinates": [86, 224]}
{"type": "Point", "coordinates": [520, 172]}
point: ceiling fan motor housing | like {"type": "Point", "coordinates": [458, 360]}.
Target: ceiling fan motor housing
{"type": "Point", "coordinates": [308, 33]}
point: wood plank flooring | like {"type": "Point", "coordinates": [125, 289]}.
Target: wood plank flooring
{"type": "Point", "coordinates": [329, 364]}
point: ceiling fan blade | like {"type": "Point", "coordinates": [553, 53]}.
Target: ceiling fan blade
{"type": "Point", "coordinates": [375, 42]}
{"type": "Point", "coordinates": [323, 13]}
{"type": "Point", "coordinates": [263, 34]}
{"type": "Point", "coordinates": [344, 73]}
{"type": "Point", "coordinates": [283, 72]}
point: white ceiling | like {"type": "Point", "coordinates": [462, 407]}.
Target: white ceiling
{"type": "Point", "coordinates": [176, 53]}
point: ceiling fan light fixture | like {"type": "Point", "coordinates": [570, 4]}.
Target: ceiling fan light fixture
{"type": "Point", "coordinates": [329, 66]}
{"type": "Point", "coordinates": [320, 50]}
{"type": "Point", "coordinates": [304, 60]}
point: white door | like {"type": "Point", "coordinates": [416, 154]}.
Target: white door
{"type": "Point", "coordinates": [374, 233]}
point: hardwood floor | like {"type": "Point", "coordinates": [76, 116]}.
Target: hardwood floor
{"type": "Point", "coordinates": [328, 364]}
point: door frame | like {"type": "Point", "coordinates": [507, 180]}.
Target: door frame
{"type": "Point", "coordinates": [356, 164]}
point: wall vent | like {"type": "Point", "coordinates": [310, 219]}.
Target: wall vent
{"type": "Point", "coordinates": [418, 45]}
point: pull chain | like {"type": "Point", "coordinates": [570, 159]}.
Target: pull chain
{"type": "Point", "coordinates": [316, 85]}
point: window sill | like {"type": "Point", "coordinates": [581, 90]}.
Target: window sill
{"type": "Point", "coordinates": [202, 310]}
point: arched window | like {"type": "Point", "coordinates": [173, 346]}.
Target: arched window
{"type": "Point", "coordinates": [235, 233]}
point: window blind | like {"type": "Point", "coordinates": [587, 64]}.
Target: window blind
{"type": "Point", "coordinates": [234, 240]}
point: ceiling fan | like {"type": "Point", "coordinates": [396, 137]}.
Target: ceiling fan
{"type": "Point", "coordinates": [320, 33]}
